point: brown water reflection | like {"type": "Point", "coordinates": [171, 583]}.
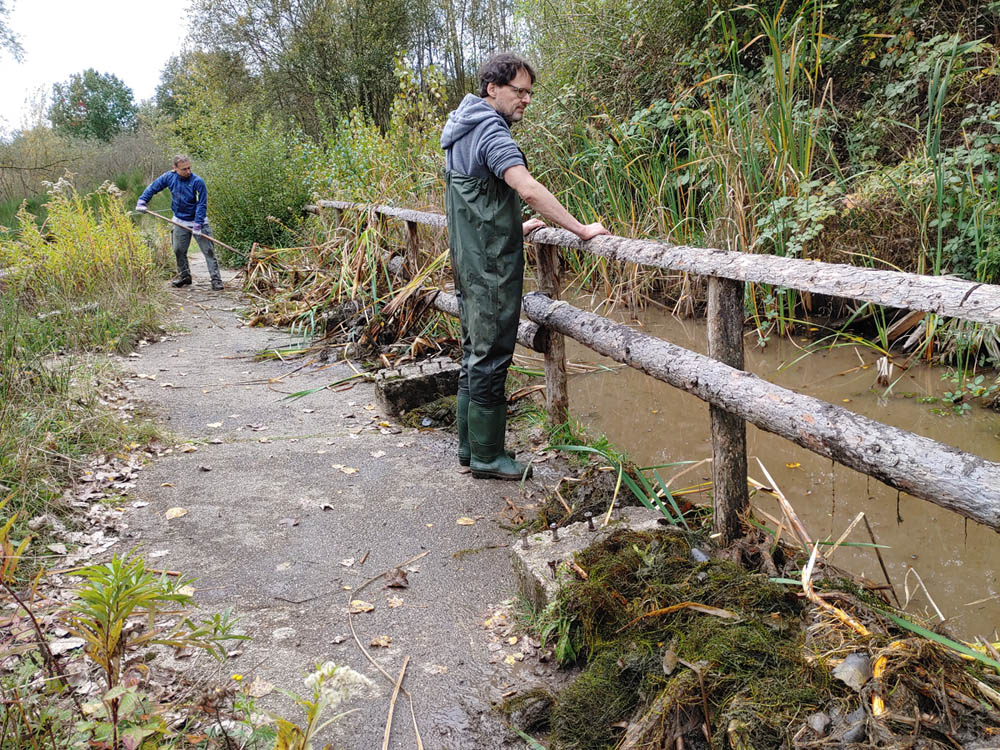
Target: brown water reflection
{"type": "Point", "coordinates": [959, 562]}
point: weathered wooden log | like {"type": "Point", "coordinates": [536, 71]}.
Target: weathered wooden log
{"type": "Point", "coordinates": [925, 468]}
{"type": "Point", "coordinates": [729, 432]}
{"type": "Point", "coordinates": [947, 296]}
{"type": "Point", "coordinates": [556, 392]}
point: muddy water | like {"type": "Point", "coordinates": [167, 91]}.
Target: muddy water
{"type": "Point", "coordinates": [959, 562]}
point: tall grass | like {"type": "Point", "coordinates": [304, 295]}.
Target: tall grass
{"type": "Point", "coordinates": [87, 283]}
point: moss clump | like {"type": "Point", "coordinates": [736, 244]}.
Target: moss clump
{"type": "Point", "coordinates": [751, 668]}
{"type": "Point", "coordinates": [438, 413]}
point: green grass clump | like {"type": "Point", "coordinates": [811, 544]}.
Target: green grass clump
{"type": "Point", "coordinates": [87, 284]}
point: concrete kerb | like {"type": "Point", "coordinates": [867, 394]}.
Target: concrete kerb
{"type": "Point", "coordinates": [543, 567]}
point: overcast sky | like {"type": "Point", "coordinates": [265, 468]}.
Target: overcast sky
{"type": "Point", "coordinates": [130, 39]}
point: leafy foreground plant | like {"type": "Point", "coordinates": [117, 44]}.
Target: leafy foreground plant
{"type": "Point", "coordinates": [120, 611]}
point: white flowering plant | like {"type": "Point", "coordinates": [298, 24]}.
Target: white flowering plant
{"type": "Point", "coordinates": [331, 685]}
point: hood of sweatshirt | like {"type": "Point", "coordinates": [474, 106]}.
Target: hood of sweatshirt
{"type": "Point", "coordinates": [471, 113]}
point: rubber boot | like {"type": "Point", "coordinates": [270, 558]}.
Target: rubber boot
{"type": "Point", "coordinates": [462, 418]}
{"type": "Point", "coordinates": [487, 427]}
{"type": "Point", "coordinates": [181, 281]}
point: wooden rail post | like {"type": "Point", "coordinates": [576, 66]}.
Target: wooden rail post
{"type": "Point", "coordinates": [556, 395]}
{"type": "Point", "coordinates": [729, 432]}
{"type": "Point", "coordinates": [412, 248]}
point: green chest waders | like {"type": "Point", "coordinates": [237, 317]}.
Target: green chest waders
{"type": "Point", "coordinates": [487, 255]}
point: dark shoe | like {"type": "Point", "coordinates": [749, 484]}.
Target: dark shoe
{"type": "Point", "coordinates": [488, 459]}
{"type": "Point", "coordinates": [217, 285]}
{"type": "Point", "coordinates": [181, 281]}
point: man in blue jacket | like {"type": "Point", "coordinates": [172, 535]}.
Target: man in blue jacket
{"type": "Point", "coordinates": [486, 178]}
{"type": "Point", "coordinates": [189, 201]}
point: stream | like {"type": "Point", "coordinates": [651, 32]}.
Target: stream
{"type": "Point", "coordinates": [957, 561]}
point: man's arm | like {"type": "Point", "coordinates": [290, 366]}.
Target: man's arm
{"type": "Point", "coordinates": [152, 189]}
{"type": "Point", "coordinates": [536, 195]}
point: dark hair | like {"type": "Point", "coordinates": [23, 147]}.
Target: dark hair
{"type": "Point", "coordinates": [502, 69]}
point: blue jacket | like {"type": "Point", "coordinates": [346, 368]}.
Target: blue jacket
{"type": "Point", "coordinates": [188, 198]}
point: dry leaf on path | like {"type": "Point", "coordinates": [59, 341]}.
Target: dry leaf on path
{"type": "Point", "coordinates": [397, 579]}
{"type": "Point", "coordinates": [188, 448]}
{"type": "Point", "coordinates": [289, 522]}
{"type": "Point", "coordinates": [214, 424]}
{"type": "Point", "coordinates": [395, 601]}
{"type": "Point", "coordinates": [203, 467]}
{"type": "Point", "coordinates": [466, 521]}
{"type": "Point", "coordinates": [259, 688]}
{"type": "Point", "coordinates": [377, 454]}
{"type": "Point", "coordinates": [382, 641]}
{"type": "Point", "coordinates": [349, 470]}
{"type": "Point", "coordinates": [175, 513]}
{"type": "Point", "coordinates": [347, 562]}
{"type": "Point", "coordinates": [358, 606]}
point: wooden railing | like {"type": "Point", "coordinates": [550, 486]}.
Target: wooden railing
{"type": "Point", "coordinates": [941, 474]}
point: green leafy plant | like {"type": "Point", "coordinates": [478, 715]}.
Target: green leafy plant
{"type": "Point", "coordinates": [123, 607]}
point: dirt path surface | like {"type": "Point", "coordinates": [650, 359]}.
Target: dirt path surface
{"type": "Point", "coordinates": [281, 513]}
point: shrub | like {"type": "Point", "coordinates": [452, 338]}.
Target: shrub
{"type": "Point", "coordinates": [257, 188]}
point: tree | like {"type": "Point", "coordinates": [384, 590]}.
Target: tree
{"type": "Point", "coordinates": [93, 105]}
{"type": "Point", "coordinates": [8, 39]}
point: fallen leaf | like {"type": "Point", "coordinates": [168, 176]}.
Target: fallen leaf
{"type": "Point", "coordinates": [214, 424]}
{"type": "Point", "coordinates": [308, 411]}
{"type": "Point", "coordinates": [338, 639]}
{"type": "Point", "coordinates": [204, 468]}
{"type": "Point", "coordinates": [397, 579]}
{"type": "Point", "coordinates": [216, 441]}
{"type": "Point", "coordinates": [395, 601]}
{"type": "Point", "coordinates": [186, 590]}
{"type": "Point", "coordinates": [358, 606]}
{"type": "Point", "coordinates": [159, 553]}
{"type": "Point", "coordinates": [794, 465]}
{"type": "Point", "coordinates": [377, 454]}
{"type": "Point", "coordinates": [347, 562]}
{"type": "Point", "coordinates": [265, 440]}
{"type": "Point", "coordinates": [166, 484]}
{"type": "Point", "coordinates": [349, 470]}
{"type": "Point", "coordinates": [188, 448]}
{"type": "Point", "coordinates": [173, 513]}
{"type": "Point", "coordinates": [289, 522]}
{"type": "Point", "coordinates": [325, 506]}
{"type": "Point", "coordinates": [466, 521]}
{"type": "Point", "coordinates": [370, 407]}
{"type": "Point", "coordinates": [259, 688]}
{"type": "Point", "coordinates": [59, 549]}
{"type": "Point", "coordinates": [509, 659]}
{"type": "Point", "coordinates": [512, 640]}
{"type": "Point", "coordinates": [382, 641]}
{"type": "Point", "coordinates": [436, 669]}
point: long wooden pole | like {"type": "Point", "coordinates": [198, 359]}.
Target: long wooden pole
{"type": "Point", "coordinates": [925, 468]}
{"type": "Point", "coordinates": [556, 392]}
{"type": "Point", "coordinates": [167, 219]}
{"type": "Point", "coordinates": [944, 295]}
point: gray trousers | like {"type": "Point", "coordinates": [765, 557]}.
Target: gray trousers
{"type": "Point", "coordinates": [182, 240]}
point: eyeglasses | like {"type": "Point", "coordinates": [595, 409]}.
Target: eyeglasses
{"type": "Point", "coordinates": [521, 93]}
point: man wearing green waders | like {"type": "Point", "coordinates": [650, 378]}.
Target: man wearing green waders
{"type": "Point", "coordinates": [486, 177]}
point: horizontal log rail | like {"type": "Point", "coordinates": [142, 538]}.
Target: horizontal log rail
{"type": "Point", "coordinates": [922, 467]}
{"type": "Point", "coordinates": [954, 298]}
{"type": "Point", "coordinates": [944, 475]}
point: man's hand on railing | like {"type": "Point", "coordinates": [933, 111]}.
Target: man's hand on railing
{"type": "Point", "coordinates": [531, 225]}
{"type": "Point", "coordinates": [590, 231]}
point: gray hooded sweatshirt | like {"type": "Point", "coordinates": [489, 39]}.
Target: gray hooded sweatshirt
{"type": "Point", "coordinates": [477, 141]}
